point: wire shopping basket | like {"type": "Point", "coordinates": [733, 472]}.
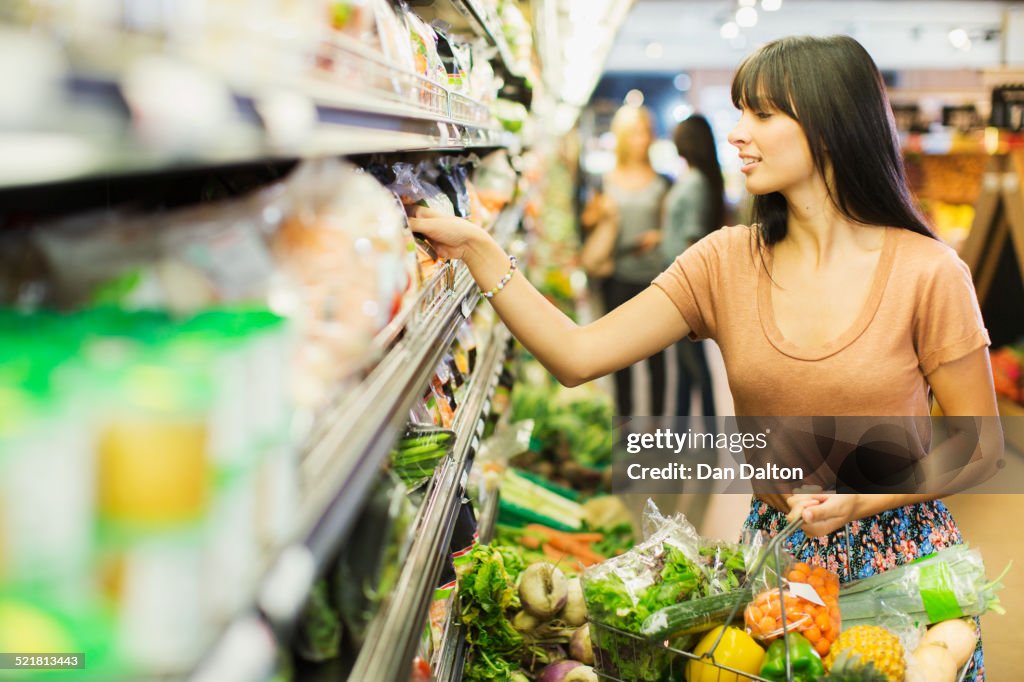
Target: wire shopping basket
{"type": "Point", "coordinates": [670, 658]}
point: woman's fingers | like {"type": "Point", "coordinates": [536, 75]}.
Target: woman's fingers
{"type": "Point", "coordinates": [424, 212]}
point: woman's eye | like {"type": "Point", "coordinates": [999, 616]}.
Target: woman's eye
{"type": "Point", "coordinates": [763, 115]}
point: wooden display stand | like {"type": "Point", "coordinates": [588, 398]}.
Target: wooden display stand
{"type": "Point", "coordinates": [994, 251]}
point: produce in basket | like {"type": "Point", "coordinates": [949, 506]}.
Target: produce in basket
{"type": "Point", "coordinates": [734, 650]}
{"type": "Point", "coordinates": [804, 661]}
{"type": "Point", "coordinates": [624, 590]}
{"type": "Point", "coordinates": [958, 636]}
{"type": "Point", "coordinates": [863, 644]}
{"type": "Point", "coordinates": [852, 669]}
{"type": "Point", "coordinates": [947, 584]}
{"type": "Point", "coordinates": [810, 599]}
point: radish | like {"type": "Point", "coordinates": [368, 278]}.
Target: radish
{"type": "Point", "coordinates": [543, 590]}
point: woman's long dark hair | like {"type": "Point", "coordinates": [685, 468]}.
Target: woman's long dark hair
{"type": "Point", "coordinates": [833, 89]}
{"type": "Point", "coordinates": [696, 143]}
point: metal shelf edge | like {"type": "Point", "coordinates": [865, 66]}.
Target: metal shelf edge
{"type": "Point", "coordinates": [392, 637]}
{"type": "Point", "coordinates": [357, 429]}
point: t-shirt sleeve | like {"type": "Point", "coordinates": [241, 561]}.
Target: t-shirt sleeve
{"type": "Point", "coordinates": [948, 324]}
{"type": "Point", "coordinates": [689, 282]}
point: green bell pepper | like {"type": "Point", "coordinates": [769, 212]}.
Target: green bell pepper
{"type": "Point", "coordinates": [805, 661]}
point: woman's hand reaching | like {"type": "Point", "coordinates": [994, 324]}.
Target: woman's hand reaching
{"type": "Point", "coordinates": [450, 236]}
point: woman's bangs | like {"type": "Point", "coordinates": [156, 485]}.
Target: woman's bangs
{"type": "Point", "coordinates": [760, 84]}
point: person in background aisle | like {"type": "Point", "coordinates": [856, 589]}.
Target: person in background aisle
{"type": "Point", "coordinates": [838, 300]}
{"type": "Point", "coordinates": [637, 193]}
{"type": "Point", "coordinates": [694, 208]}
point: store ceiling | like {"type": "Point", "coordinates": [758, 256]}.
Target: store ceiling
{"type": "Point", "coordinates": [674, 35]}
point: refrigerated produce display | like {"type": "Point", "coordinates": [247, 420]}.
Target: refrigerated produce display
{"type": "Point", "coordinates": [253, 428]}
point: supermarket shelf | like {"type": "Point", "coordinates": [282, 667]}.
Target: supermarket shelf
{"type": "Point", "coordinates": [474, 17]}
{"type": "Point", "coordinates": [340, 468]}
{"type": "Point", "coordinates": [452, 656]}
{"type": "Point", "coordinates": [394, 634]}
{"type": "Point", "coordinates": [491, 25]}
{"type": "Point", "coordinates": [112, 127]}
{"type": "Point", "coordinates": [489, 516]}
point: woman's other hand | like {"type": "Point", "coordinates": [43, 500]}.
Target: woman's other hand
{"type": "Point", "coordinates": [823, 513]}
{"type": "Point", "coordinates": [450, 236]}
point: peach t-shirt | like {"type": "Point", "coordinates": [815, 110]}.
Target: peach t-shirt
{"type": "Point", "coordinates": [921, 312]}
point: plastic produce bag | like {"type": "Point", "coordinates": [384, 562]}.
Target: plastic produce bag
{"type": "Point", "coordinates": [495, 181]}
{"type": "Point", "coordinates": [723, 591]}
{"type": "Point", "coordinates": [808, 596]}
{"type": "Point", "coordinates": [948, 584]}
{"type": "Point", "coordinates": [343, 245]}
{"type": "Point", "coordinates": [624, 590]}
{"type": "Point", "coordinates": [419, 451]}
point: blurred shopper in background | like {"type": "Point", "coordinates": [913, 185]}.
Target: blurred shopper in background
{"type": "Point", "coordinates": [694, 208]}
{"type": "Point", "coordinates": [634, 195]}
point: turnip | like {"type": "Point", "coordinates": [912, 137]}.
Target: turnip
{"type": "Point", "coordinates": [524, 621]}
{"type": "Point", "coordinates": [580, 647]}
{"type": "Point", "coordinates": [575, 611]}
{"type": "Point", "coordinates": [543, 590]}
{"type": "Point", "coordinates": [567, 671]}
{"type": "Point", "coordinates": [556, 672]}
{"type": "Point", "coordinates": [583, 673]}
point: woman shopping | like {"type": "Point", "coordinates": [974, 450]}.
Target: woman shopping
{"type": "Point", "coordinates": [632, 197]}
{"type": "Point", "coordinates": [837, 301]}
{"type": "Point", "coordinates": [694, 208]}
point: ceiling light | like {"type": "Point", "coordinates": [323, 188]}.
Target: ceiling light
{"type": "Point", "coordinates": [746, 17]}
{"type": "Point", "coordinates": [655, 50]}
{"type": "Point", "coordinates": [959, 39]}
{"type": "Point", "coordinates": [682, 82]}
{"type": "Point", "coordinates": [771, 5]}
{"type": "Point", "coordinates": [634, 98]}
{"type": "Point", "coordinates": [682, 112]}
{"type": "Point", "coordinates": [729, 30]}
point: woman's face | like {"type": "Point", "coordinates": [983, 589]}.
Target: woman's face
{"type": "Point", "coordinates": [774, 151]}
{"type": "Point", "coordinates": [637, 140]}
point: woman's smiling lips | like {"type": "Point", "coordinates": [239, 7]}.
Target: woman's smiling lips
{"type": "Point", "coordinates": [749, 162]}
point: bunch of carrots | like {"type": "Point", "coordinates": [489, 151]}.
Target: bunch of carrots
{"type": "Point", "coordinates": [567, 550]}
{"type": "Point", "coordinates": [819, 624]}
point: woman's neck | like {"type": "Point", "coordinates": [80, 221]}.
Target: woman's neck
{"type": "Point", "coordinates": [817, 231]}
{"type": "Point", "coordinates": [635, 166]}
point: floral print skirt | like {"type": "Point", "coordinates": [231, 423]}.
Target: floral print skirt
{"type": "Point", "coordinates": [873, 545]}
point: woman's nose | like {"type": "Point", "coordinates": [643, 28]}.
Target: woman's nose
{"type": "Point", "coordinates": [738, 135]}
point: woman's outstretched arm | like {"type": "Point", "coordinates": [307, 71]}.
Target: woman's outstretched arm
{"type": "Point", "coordinates": [574, 354]}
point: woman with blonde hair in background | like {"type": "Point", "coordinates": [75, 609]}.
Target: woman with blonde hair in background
{"type": "Point", "coordinates": [632, 197]}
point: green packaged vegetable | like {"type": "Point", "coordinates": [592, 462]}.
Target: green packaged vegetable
{"type": "Point", "coordinates": [804, 660]}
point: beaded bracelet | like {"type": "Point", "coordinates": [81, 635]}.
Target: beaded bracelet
{"type": "Point", "coordinates": [512, 265]}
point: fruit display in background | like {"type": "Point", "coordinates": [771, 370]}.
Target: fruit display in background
{"type": "Point", "coordinates": [1008, 372]}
